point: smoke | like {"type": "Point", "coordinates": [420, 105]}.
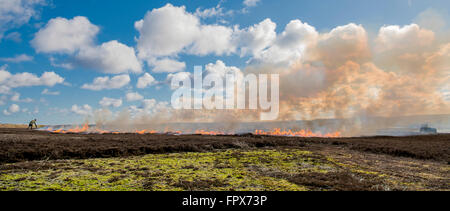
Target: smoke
{"type": "Point", "coordinates": [343, 74]}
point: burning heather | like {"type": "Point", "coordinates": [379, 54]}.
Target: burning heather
{"type": "Point", "coordinates": [86, 129]}
{"type": "Point", "coordinates": [301, 133]}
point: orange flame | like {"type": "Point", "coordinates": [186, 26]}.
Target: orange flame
{"type": "Point", "coordinates": [301, 133]}
{"type": "Point", "coordinates": [142, 132]}
{"type": "Point", "coordinates": [274, 132]}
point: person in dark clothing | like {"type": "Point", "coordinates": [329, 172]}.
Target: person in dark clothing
{"type": "Point", "coordinates": [32, 122]}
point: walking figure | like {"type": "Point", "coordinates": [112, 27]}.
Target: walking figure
{"type": "Point", "coordinates": [32, 122]}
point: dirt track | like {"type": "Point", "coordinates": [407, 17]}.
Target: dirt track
{"type": "Point", "coordinates": [18, 145]}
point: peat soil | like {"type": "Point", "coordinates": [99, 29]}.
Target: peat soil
{"type": "Point", "coordinates": [18, 145]}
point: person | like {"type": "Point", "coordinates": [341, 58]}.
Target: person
{"type": "Point", "coordinates": [32, 122]}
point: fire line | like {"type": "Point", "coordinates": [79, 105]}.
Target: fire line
{"type": "Point", "coordinates": [274, 132]}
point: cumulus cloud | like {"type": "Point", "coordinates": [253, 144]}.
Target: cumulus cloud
{"type": "Point", "coordinates": [25, 79]}
{"type": "Point", "coordinates": [18, 58]}
{"type": "Point", "coordinates": [160, 35]}
{"type": "Point", "coordinates": [15, 13]}
{"type": "Point", "coordinates": [159, 43]}
{"type": "Point", "coordinates": [110, 57]}
{"type": "Point", "coordinates": [221, 69]}
{"type": "Point", "coordinates": [256, 38]}
{"type": "Point", "coordinates": [62, 35]}
{"type": "Point", "coordinates": [101, 83]}
{"type": "Point", "coordinates": [84, 110]}
{"type": "Point", "coordinates": [145, 81]}
{"type": "Point", "coordinates": [221, 43]}
{"type": "Point", "coordinates": [110, 102]}
{"type": "Point", "coordinates": [290, 45]}
{"type": "Point", "coordinates": [14, 108]}
{"type": "Point", "coordinates": [161, 28]}
{"type": "Point", "coordinates": [167, 66]}
{"type": "Point", "coordinates": [134, 96]}
{"type": "Point", "coordinates": [403, 38]}
{"type": "Point", "coordinates": [76, 38]}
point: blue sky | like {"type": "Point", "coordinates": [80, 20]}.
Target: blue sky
{"type": "Point", "coordinates": [116, 21]}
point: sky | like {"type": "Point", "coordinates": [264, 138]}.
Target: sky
{"type": "Point", "coordinates": [63, 61]}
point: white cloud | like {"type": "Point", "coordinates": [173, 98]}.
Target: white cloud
{"type": "Point", "coordinates": [167, 66]}
{"type": "Point", "coordinates": [84, 110]}
{"type": "Point", "coordinates": [161, 28]}
{"type": "Point", "coordinates": [145, 81]}
{"type": "Point", "coordinates": [15, 13]}
{"type": "Point", "coordinates": [107, 102]}
{"type": "Point", "coordinates": [134, 96]}
{"type": "Point", "coordinates": [14, 108]}
{"type": "Point", "coordinates": [110, 57]}
{"type": "Point", "coordinates": [213, 39]}
{"type": "Point", "coordinates": [106, 82]}
{"type": "Point", "coordinates": [159, 41]}
{"type": "Point", "coordinates": [403, 38]}
{"type": "Point", "coordinates": [61, 35]}
{"type": "Point", "coordinates": [251, 3]}
{"type": "Point", "coordinates": [290, 45]}
{"type": "Point", "coordinates": [221, 69]}
{"type": "Point", "coordinates": [181, 76]}
{"type": "Point", "coordinates": [25, 79]}
{"type": "Point", "coordinates": [297, 33]}
{"type": "Point", "coordinates": [75, 37]}
{"type": "Point", "coordinates": [16, 98]}
{"type": "Point", "coordinates": [18, 58]}
{"type": "Point", "coordinates": [256, 38]}
{"type": "Point", "coordinates": [48, 92]}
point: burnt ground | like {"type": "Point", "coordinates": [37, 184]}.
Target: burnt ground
{"type": "Point", "coordinates": [18, 145]}
{"type": "Point", "coordinates": [360, 163]}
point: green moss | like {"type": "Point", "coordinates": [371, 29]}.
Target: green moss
{"type": "Point", "coordinates": [240, 170]}
{"type": "Point", "coordinates": [232, 169]}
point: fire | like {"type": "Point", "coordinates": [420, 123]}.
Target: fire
{"type": "Point", "coordinates": [274, 132]}
{"type": "Point", "coordinates": [301, 133]}
{"type": "Point", "coordinates": [209, 133]}
{"type": "Point", "coordinates": [142, 132]}
{"type": "Point", "coordinates": [77, 129]}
